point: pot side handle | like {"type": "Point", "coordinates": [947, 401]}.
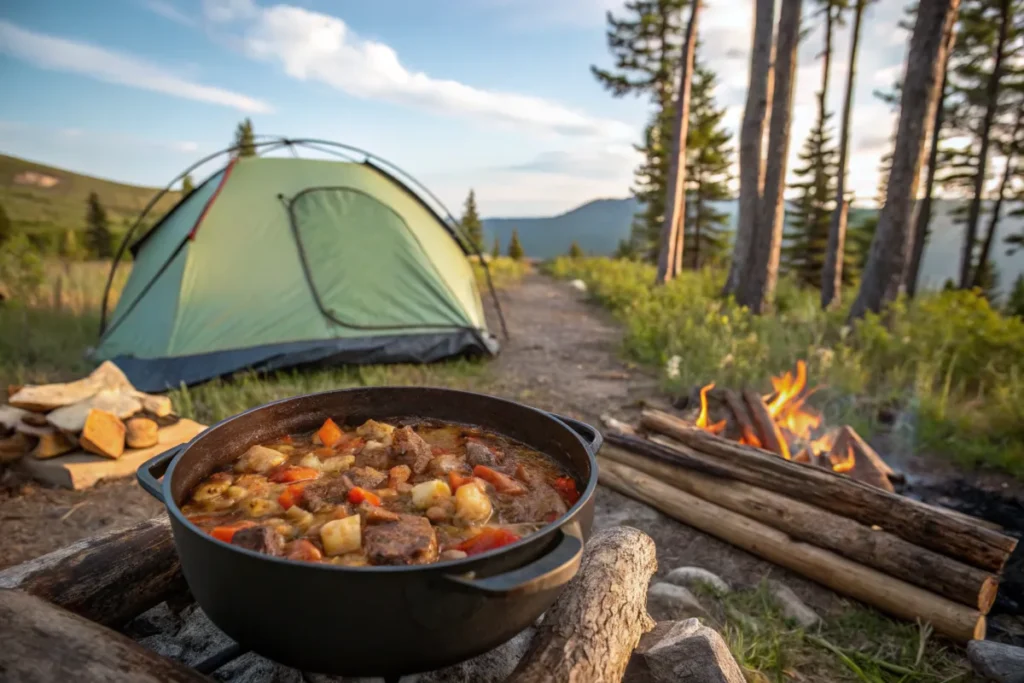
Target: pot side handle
{"type": "Point", "coordinates": [149, 472]}
{"type": "Point", "coordinates": [589, 434]}
{"type": "Point", "coordinates": [553, 570]}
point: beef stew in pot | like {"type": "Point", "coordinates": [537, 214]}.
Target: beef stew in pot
{"type": "Point", "coordinates": [394, 492]}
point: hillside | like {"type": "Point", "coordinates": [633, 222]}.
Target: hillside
{"type": "Point", "coordinates": [599, 225]}
{"type": "Point", "coordinates": [44, 199]}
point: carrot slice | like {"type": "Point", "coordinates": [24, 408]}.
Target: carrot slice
{"type": "Point", "coordinates": [289, 475]}
{"type": "Point", "coordinates": [455, 480]}
{"type": "Point", "coordinates": [330, 433]}
{"type": "Point", "coordinates": [488, 539]}
{"type": "Point", "coordinates": [227, 532]}
{"type": "Point", "coordinates": [358, 494]}
{"type": "Point", "coordinates": [291, 496]}
{"type": "Point", "coordinates": [566, 487]}
{"type": "Point", "coordinates": [502, 482]}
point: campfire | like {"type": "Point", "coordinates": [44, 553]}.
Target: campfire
{"type": "Point", "coordinates": [783, 423]}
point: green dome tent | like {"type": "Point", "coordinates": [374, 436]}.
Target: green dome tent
{"type": "Point", "coordinates": [275, 262]}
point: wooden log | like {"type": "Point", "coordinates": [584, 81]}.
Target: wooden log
{"type": "Point", "coordinates": [917, 522]}
{"type": "Point", "coordinates": [852, 456]}
{"type": "Point", "coordinates": [593, 628]}
{"type": "Point", "coordinates": [108, 579]}
{"type": "Point", "coordinates": [44, 643]}
{"type": "Point", "coordinates": [878, 549]}
{"type": "Point", "coordinates": [748, 432]}
{"type": "Point", "coordinates": [889, 594]}
{"type": "Point", "coordinates": [769, 433]}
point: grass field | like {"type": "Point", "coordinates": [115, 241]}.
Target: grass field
{"type": "Point", "coordinates": [35, 209]}
{"type": "Point", "coordinates": [950, 361]}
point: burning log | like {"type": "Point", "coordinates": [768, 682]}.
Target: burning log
{"type": "Point", "coordinates": [878, 549]}
{"type": "Point", "coordinates": [845, 576]}
{"type": "Point", "coordinates": [921, 524]}
{"type": "Point", "coordinates": [43, 643]}
{"type": "Point", "coordinates": [591, 631]}
{"type": "Point", "coordinates": [108, 579]}
{"type": "Point", "coordinates": [768, 431]}
{"type": "Point", "coordinates": [748, 433]}
{"type": "Point", "coordinates": [864, 463]}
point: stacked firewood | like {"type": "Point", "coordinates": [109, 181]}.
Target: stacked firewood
{"type": "Point", "coordinates": [907, 558]}
{"type": "Point", "coordinates": [102, 414]}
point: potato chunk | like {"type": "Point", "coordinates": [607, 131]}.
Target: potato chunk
{"type": "Point", "coordinates": [311, 461]}
{"type": "Point", "coordinates": [371, 430]}
{"type": "Point", "coordinates": [471, 504]}
{"type": "Point", "coordinates": [430, 493]}
{"type": "Point", "coordinates": [259, 459]}
{"type": "Point", "coordinates": [259, 507]}
{"type": "Point", "coordinates": [341, 536]}
{"type": "Point", "coordinates": [338, 463]}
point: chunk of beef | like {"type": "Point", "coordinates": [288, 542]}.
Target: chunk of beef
{"type": "Point", "coordinates": [442, 464]}
{"type": "Point", "coordinates": [262, 539]}
{"type": "Point", "coordinates": [374, 454]}
{"type": "Point", "coordinates": [324, 493]}
{"type": "Point", "coordinates": [479, 454]}
{"type": "Point", "coordinates": [411, 449]}
{"type": "Point", "coordinates": [540, 503]}
{"type": "Point", "coordinates": [410, 540]}
{"type": "Point", "coordinates": [366, 477]}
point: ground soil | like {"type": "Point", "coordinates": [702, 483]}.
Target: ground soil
{"type": "Point", "coordinates": [562, 356]}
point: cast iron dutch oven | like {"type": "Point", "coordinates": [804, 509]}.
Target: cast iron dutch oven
{"type": "Point", "coordinates": [381, 621]}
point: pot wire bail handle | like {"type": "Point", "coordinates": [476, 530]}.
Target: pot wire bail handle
{"type": "Point", "coordinates": [149, 473]}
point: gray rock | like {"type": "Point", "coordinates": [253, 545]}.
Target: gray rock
{"type": "Point", "coordinates": [683, 652]}
{"type": "Point", "coordinates": [669, 602]}
{"type": "Point", "coordinates": [490, 667]}
{"type": "Point", "coordinates": [688, 577]}
{"type": "Point", "coordinates": [792, 606]}
{"type": "Point", "coordinates": [996, 661]}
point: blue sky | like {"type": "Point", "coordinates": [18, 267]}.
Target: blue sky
{"type": "Point", "coordinates": [490, 94]}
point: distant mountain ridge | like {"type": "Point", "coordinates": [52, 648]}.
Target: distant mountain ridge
{"type": "Point", "coordinates": [599, 225]}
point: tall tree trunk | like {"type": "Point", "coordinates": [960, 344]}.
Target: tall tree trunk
{"type": "Point", "coordinates": [751, 161]}
{"type": "Point", "coordinates": [887, 262]}
{"type": "Point", "coordinates": [1004, 184]}
{"type": "Point", "coordinates": [832, 274]}
{"type": "Point", "coordinates": [671, 252]}
{"type": "Point", "coordinates": [991, 104]}
{"type": "Point", "coordinates": [762, 269]}
{"type": "Point", "coordinates": [924, 207]}
{"type": "Point", "coordinates": [698, 221]}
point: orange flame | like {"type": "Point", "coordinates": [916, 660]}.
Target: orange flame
{"type": "Point", "coordinates": [787, 387]}
{"type": "Point", "coordinates": [702, 419]}
{"type": "Point", "coordinates": [844, 464]}
{"type": "Point", "coordinates": [823, 444]}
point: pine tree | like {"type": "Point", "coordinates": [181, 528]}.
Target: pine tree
{"type": "Point", "coordinates": [645, 42]}
{"type": "Point", "coordinates": [807, 242]}
{"type": "Point", "coordinates": [1015, 301]}
{"type": "Point", "coordinates": [6, 229]}
{"type": "Point", "coordinates": [496, 249]}
{"type": "Point", "coordinates": [186, 185]}
{"type": "Point", "coordinates": [98, 237]}
{"type": "Point", "coordinates": [708, 172]}
{"type": "Point", "coordinates": [575, 252]}
{"type": "Point", "coordinates": [472, 228]}
{"type": "Point", "coordinates": [515, 248]}
{"type": "Point", "coordinates": [245, 140]}
{"type": "Point", "coordinates": [988, 282]}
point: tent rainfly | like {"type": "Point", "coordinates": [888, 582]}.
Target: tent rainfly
{"type": "Point", "coordinates": [275, 262]}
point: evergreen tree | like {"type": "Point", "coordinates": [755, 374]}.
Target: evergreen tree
{"type": "Point", "coordinates": [645, 42]}
{"type": "Point", "coordinates": [186, 186]}
{"type": "Point", "coordinates": [575, 251]}
{"type": "Point", "coordinates": [472, 228]}
{"type": "Point", "coordinates": [1015, 301]}
{"type": "Point", "coordinates": [988, 282]}
{"type": "Point", "coordinates": [626, 249]}
{"type": "Point", "coordinates": [949, 285]}
{"type": "Point", "coordinates": [708, 164]}
{"type": "Point", "coordinates": [98, 237]}
{"type": "Point", "coordinates": [515, 248]}
{"type": "Point", "coordinates": [245, 140]}
{"type": "Point", "coordinates": [496, 249]}
{"type": "Point", "coordinates": [6, 229]}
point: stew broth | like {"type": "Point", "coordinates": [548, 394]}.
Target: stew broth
{"type": "Point", "coordinates": [382, 493]}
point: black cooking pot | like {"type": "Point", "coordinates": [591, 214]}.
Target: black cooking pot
{"type": "Point", "coordinates": [381, 621]}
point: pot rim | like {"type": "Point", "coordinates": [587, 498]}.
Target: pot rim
{"type": "Point", "coordinates": [469, 562]}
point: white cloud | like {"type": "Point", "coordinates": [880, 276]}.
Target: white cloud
{"type": "Point", "coordinates": [29, 132]}
{"type": "Point", "coordinates": [169, 11]}
{"type": "Point", "coordinates": [318, 47]}
{"type": "Point", "coordinates": [61, 54]}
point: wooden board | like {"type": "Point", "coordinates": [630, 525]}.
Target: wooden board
{"type": "Point", "coordinates": [81, 470]}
